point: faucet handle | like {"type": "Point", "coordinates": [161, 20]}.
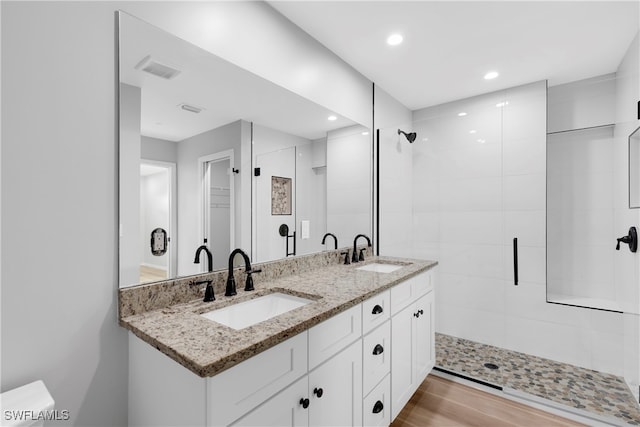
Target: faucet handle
{"type": "Point", "coordinates": [208, 293]}
{"type": "Point", "coordinates": [346, 258]}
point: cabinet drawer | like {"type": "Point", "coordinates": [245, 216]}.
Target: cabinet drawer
{"type": "Point", "coordinates": [236, 391]}
{"type": "Point", "coordinates": [334, 334]}
{"type": "Point", "coordinates": [375, 311]}
{"type": "Point", "coordinates": [376, 407]}
{"type": "Point", "coordinates": [408, 291]}
{"type": "Point", "coordinates": [376, 357]}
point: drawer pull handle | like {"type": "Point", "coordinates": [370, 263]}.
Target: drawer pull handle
{"type": "Point", "coordinates": [318, 392]}
{"type": "Point", "coordinates": [378, 349]}
{"type": "Point", "coordinates": [377, 309]}
{"type": "Point", "coordinates": [378, 407]}
{"type": "Point", "coordinates": [304, 403]}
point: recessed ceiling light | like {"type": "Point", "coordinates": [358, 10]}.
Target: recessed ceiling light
{"type": "Point", "coordinates": [491, 75]}
{"type": "Point", "coordinates": [332, 118]}
{"type": "Point", "coordinates": [394, 39]}
{"type": "Point", "coordinates": [481, 141]}
{"type": "Point", "coordinates": [502, 104]}
{"type": "Point", "coordinates": [365, 133]}
{"type": "Point", "coordinates": [472, 131]}
{"type": "Point", "coordinates": [462, 114]}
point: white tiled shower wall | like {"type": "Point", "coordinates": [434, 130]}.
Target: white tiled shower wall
{"type": "Point", "coordinates": [478, 180]}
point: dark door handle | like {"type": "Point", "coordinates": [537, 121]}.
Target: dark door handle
{"type": "Point", "coordinates": [377, 309]}
{"type": "Point", "coordinates": [304, 402]}
{"type": "Point", "coordinates": [378, 407]}
{"type": "Point", "coordinates": [318, 392]}
{"type": "Point", "coordinates": [515, 261]}
{"type": "Point", "coordinates": [378, 349]}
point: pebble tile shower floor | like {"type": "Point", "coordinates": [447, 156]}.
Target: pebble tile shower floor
{"type": "Point", "coordinates": [604, 395]}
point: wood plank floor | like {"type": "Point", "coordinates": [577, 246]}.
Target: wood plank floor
{"type": "Point", "coordinates": [440, 402]}
{"type": "Point", "coordinates": [150, 274]}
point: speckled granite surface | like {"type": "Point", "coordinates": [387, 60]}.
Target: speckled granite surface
{"type": "Point", "coordinates": [152, 296]}
{"type": "Point", "coordinates": [601, 394]}
{"type": "Point", "coordinates": [207, 348]}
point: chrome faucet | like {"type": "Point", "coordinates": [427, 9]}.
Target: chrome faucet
{"type": "Point", "coordinates": [334, 238]}
{"type": "Point", "coordinates": [209, 256]}
{"type": "Point", "coordinates": [231, 281]}
{"type": "Point", "coordinates": [355, 257]}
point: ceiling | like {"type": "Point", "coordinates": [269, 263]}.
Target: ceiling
{"type": "Point", "coordinates": [449, 45]}
{"type": "Point", "coordinates": [224, 91]}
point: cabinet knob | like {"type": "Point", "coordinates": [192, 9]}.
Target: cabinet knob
{"type": "Point", "coordinates": [318, 392]}
{"type": "Point", "coordinates": [421, 311]}
{"type": "Point", "coordinates": [377, 309]}
{"type": "Point", "coordinates": [378, 407]}
{"type": "Point", "coordinates": [378, 349]}
{"type": "Point", "coordinates": [416, 314]}
{"type": "Point", "coordinates": [304, 402]}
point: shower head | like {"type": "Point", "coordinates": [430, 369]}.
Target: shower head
{"type": "Point", "coordinates": [410, 136]}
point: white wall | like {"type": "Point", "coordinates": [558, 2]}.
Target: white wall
{"type": "Point", "coordinates": [59, 241]}
{"type": "Point", "coordinates": [580, 187]}
{"type": "Point", "coordinates": [582, 104]}
{"type": "Point", "coordinates": [158, 149]}
{"type": "Point", "coordinates": [129, 165]}
{"type": "Point", "coordinates": [627, 96]}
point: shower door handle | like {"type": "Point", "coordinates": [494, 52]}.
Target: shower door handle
{"type": "Point", "coordinates": [515, 261]}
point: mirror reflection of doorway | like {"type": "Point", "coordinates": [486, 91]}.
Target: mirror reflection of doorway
{"type": "Point", "coordinates": [218, 206]}
{"type": "Point", "coordinates": [156, 212]}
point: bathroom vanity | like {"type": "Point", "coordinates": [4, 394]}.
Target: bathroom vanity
{"type": "Point", "coordinates": [352, 353]}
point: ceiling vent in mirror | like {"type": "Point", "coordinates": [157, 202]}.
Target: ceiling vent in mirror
{"type": "Point", "coordinates": [190, 108]}
{"type": "Point", "coordinates": [156, 68]}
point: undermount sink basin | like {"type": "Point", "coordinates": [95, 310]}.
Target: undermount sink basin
{"type": "Point", "coordinates": [380, 267]}
{"type": "Point", "coordinates": [247, 313]}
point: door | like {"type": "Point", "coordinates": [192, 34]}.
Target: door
{"type": "Point", "coordinates": [335, 390]}
{"type": "Point", "coordinates": [218, 206]}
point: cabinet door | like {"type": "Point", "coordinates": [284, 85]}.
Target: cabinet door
{"type": "Point", "coordinates": [402, 359]}
{"type": "Point", "coordinates": [335, 390]}
{"type": "Point", "coordinates": [284, 409]}
{"type": "Point", "coordinates": [424, 335]}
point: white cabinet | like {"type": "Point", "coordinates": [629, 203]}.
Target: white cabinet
{"type": "Point", "coordinates": [359, 367]}
{"type": "Point", "coordinates": [236, 391]}
{"type": "Point", "coordinates": [412, 350]}
{"type": "Point", "coordinates": [285, 409]}
{"type": "Point", "coordinates": [331, 395]}
{"type": "Point", "coordinates": [335, 390]}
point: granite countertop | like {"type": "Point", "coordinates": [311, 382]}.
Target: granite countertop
{"type": "Point", "coordinates": [207, 348]}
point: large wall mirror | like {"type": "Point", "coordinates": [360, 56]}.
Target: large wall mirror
{"type": "Point", "coordinates": [213, 154]}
